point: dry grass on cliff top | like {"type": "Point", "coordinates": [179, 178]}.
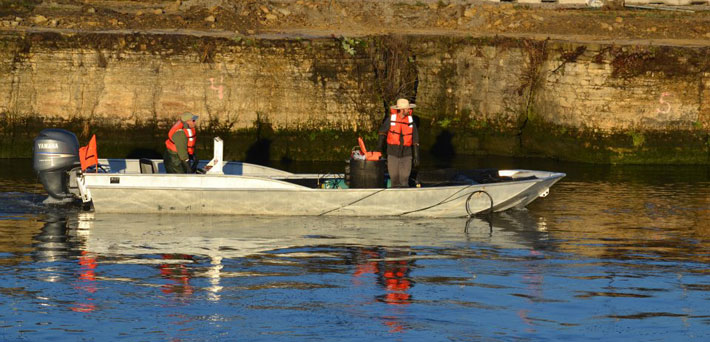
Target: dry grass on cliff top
{"type": "Point", "coordinates": [357, 18]}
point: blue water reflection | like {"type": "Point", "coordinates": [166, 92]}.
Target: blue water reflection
{"type": "Point", "coordinates": [598, 259]}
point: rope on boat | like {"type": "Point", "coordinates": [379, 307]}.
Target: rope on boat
{"type": "Point", "coordinates": [351, 203]}
{"type": "Point", "coordinates": [322, 177]}
{"type": "Point", "coordinates": [444, 201]}
{"type": "Point", "coordinates": [468, 207]}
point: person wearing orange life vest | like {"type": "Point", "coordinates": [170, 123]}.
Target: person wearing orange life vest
{"type": "Point", "coordinates": [400, 134]}
{"type": "Point", "coordinates": [180, 145]}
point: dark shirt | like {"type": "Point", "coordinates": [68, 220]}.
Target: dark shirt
{"type": "Point", "coordinates": [399, 150]}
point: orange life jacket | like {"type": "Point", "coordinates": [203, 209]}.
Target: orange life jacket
{"type": "Point", "coordinates": [189, 133]}
{"type": "Point", "coordinates": [400, 127]}
{"type": "Point", "coordinates": [368, 155]}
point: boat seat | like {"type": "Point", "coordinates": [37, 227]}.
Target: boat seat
{"type": "Point", "coordinates": [146, 165]}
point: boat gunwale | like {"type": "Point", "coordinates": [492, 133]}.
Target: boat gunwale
{"type": "Point", "coordinates": [296, 187]}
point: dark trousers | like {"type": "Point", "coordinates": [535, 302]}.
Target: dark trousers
{"type": "Point", "coordinates": [172, 163]}
{"type": "Point", "coordinates": [399, 169]}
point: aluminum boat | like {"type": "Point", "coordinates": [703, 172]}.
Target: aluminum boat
{"type": "Point", "coordinates": [236, 188]}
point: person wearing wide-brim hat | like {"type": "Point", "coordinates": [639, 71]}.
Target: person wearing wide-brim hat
{"type": "Point", "coordinates": [180, 146]}
{"type": "Point", "coordinates": [401, 136]}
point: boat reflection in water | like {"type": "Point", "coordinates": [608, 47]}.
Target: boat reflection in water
{"type": "Point", "coordinates": [54, 244]}
{"type": "Point", "coordinates": [188, 252]}
{"type": "Point", "coordinates": [235, 237]}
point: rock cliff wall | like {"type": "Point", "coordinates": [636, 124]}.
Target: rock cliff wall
{"type": "Point", "coordinates": [129, 80]}
{"type": "Point", "coordinates": [310, 98]}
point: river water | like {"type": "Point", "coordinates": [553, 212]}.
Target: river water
{"type": "Point", "coordinates": [614, 253]}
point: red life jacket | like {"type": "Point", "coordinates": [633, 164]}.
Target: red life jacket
{"type": "Point", "coordinates": [400, 127]}
{"type": "Point", "coordinates": [189, 133]}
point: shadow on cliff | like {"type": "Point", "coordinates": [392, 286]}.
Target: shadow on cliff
{"type": "Point", "coordinates": [443, 149]}
{"type": "Point", "coordinates": [260, 151]}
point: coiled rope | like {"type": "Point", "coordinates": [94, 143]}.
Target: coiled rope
{"type": "Point", "coordinates": [468, 206]}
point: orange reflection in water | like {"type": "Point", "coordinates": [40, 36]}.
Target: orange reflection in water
{"type": "Point", "coordinates": [178, 274]}
{"type": "Point", "coordinates": [393, 275]}
{"type": "Point", "coordinates": [396, 282]}
{"type": "Point", "coordinates": [86, 281]}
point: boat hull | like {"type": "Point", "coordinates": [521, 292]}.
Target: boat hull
{"type": "Point", "coordinates": [247, 195]}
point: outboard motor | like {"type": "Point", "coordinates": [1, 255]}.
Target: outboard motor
{"type": "Point", "coordinates": [55, 153]}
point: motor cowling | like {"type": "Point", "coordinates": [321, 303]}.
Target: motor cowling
{"type": "Point", "coordinates": [55, 153]}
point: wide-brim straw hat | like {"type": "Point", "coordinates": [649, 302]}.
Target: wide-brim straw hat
{"type": "Point", "coordinates": [403, 104]}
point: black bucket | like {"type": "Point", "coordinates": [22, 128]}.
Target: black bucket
{"type": "Point", "coordinates": [367, 173]}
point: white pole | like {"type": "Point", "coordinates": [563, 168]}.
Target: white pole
{"type": "Point", "coordinates": [217, 160]}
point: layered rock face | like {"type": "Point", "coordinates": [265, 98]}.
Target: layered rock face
{"type": "Point", "coordinates": [587, 102]}
{"type": "Point", "coordinates": [291, 84]}
{"type": "Point", "coordinates": [604, 88]}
